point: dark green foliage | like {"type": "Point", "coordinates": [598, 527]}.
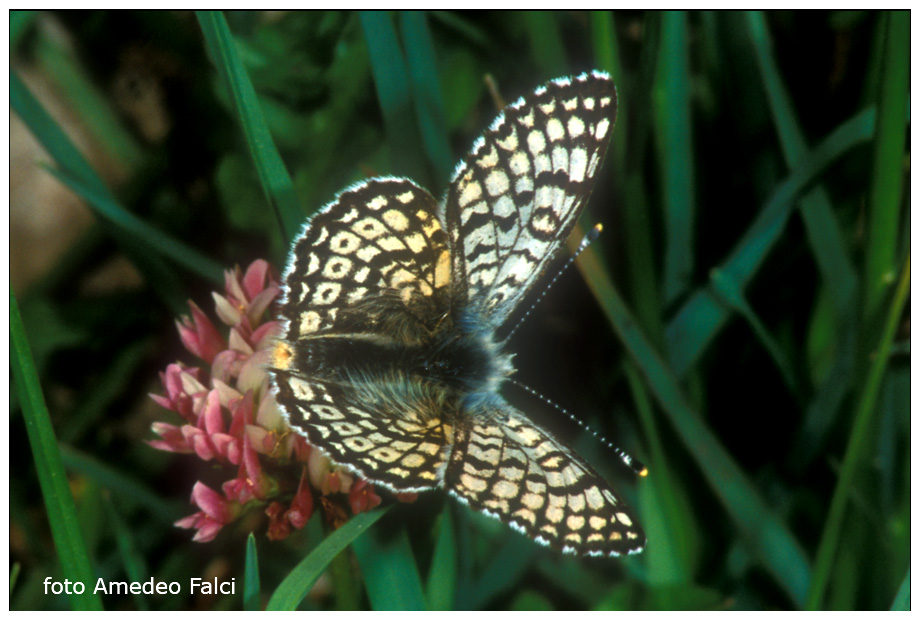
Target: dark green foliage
{"type": "Point", "coordinates": [739, 326]}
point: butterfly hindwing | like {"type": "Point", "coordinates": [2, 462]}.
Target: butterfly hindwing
{"type": "Point", "coordinates": [511, 469]}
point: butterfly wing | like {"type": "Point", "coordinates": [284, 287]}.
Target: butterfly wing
{"type": "Point", "coordinates": [509, 468]}
{"type": "Point", "coordinates": [514, 199]}
{"type": "Point", "coordinates": [368, 274]}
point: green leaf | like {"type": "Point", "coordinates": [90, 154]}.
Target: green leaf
{"type": "Point", "coordinates": [884, 204]}
{"type": "Point", "coordinates": [59, 503]}
{"type": "Point", "coordinates": [866, 414]}
{"type": "Point", "coordinates": [699, 320]}
{"type": "Point", "coordinates": [675, 152]}
{"type": "Point", "coordinates": [252, 591]}
{"type": "Point", "coordinates": [395, 94]}
{"type": "Point", "coordinates": [294, 588]}
{"type": "Point", "coordinates": [390, 574]}
{"type": "Point", "coordinates": [426, 93]}
{"type": "Point", "coordinates": [276, 183]}
{"type": "Point", "coordinates": [442, 576]}
{"type": "Point", "coordinates": [760, 528]}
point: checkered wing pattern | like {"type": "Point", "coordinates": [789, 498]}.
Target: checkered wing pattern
{"type": "Point", "coordinates": [388, 360]}
{"type": "Point", "coordinates": [511, 469]}
{"type": "Point", "coordinates": [366, 272]}
{"type": "Point", "coordinates": [515, 198]}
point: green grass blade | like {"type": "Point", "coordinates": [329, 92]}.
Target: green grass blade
{"type": "Point", "coordinates": [727, 291]}
{"type": "Point", "coordinates": [761, 529]}
{"type": "Point", "coordinates": [276, 183]}
{"type": "Point", "coordinates": [671, 98]}
{"type": "Point", "coordinates": [133, 561]}
{"type": "Point", "coordinates": [426, 93]}
{"type": "Point", "coordinates": [391, 576]}
{"type": "Point", "coordinates": [823, 230]}
{"type": "Point", "coordinates": [902, 598]}
{"type": "Point", "coordinates": [626, 147]}
{"type": "Point", "coordinates": [104, 204]}
{"type": "Point", "coordinates": [252, 600]}
{"type": "Point", "coordinates": [546, 47]}
{"type": "Point", "coordinates": [391, 79]}
{"type": "Point", "coordinates": [699, 320]}
{"type": "Point", "coordinates": [88, 101]}
{"type": "Point", "coordinates": [59, 503]}
{"type": "Point", "coordinates": [121, 484]}
{"type": "Point", "coordinates": [19, 24]}
{"type": "Point", "coordinates": [859, 433]}
{"type": "Point", "coordinates": [128, 228]}
{"type": "Point", "coordinates": [442, 576]}
{"type": "Point", "coordinates": [505, 567]}
{"type": "Point", "coordinates": [294, 588]}
{"type": "Point", "coordinates": [884, 202]}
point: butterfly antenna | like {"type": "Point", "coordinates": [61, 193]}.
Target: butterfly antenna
{"type": "Point", "coordinates": [633, 464]}
{"type": "Point", "coordinates": [585, 242]}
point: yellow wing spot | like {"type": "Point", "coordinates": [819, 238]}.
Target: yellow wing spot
{"type": "Point", "coordinates": [472, 483]}
{"type": "Point", "coordinates": [282, 355]}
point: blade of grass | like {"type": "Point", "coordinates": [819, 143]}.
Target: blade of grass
{"type": "Point", "coordinates": [628, 147]}
{"type": "Point", "coordinates": [884, 202]}
{"type": "Point", "coordinates": [901, 600]}
{"type": "Point", "coordinates": [442, 576]}
{"type": "Point", "coordinates": [671, 98]}
{"type": "Point", "coordinates": [276, 183]}
{"type": "Point", "coordinates": [19, 24]}
{"type": "Point", "coordinates": [505, 568]}
{"type": "Point", "coordinates": [828, 246]}
{"type": "Point", "coordinates": [106, 206]}
{"type": "Point", "coordinates": [699, 320]}
{"type": "Point", "coordinates": [132, 560]}
{"type": "Point", "coordinates": [426, 93]}
{"type": "Point", "coordinates": [294, 588]}
{"type": "Point", "coordinates": [251, 588]}
{"type": "Point", "coordinates": [546, 48]}
{"type": "Point", "coordinates": [391, 79]}
{"type": "Point", "coordinates": [860, 431]}
{"type": "Point", "coordinates": [733, 297]}
{"type": "Point", "coordinates": [760, 528]}
{"type": "Point", "coordinates": [70, 161]}
{"type": "Point", "coordinates": [121, 484]}
{"type": "Point", "coordinates": [59, 503]}
{"type": "Point", "coordinates": [391, 576]}
{"type": "Point", "coordinates": [88, 102]}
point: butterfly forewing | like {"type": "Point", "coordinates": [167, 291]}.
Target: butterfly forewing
{"type": "Point", "coordinates": [515, 198]}
{"type": "Point", "coordinates": [388, 360]}
{"type": "Point", "coordinates": [370, 270]}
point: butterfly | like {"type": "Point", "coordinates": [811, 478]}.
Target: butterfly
{"type": "Point", "coordinates": [388, 360]}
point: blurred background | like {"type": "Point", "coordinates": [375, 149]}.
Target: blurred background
{"type": "Point", "coordinates": [752, 351]}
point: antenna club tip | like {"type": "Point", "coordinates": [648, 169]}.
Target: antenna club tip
{"type": "Point", "coordinates": [643, 472]}
{"type": "Point", "coordinates": [598, 228]}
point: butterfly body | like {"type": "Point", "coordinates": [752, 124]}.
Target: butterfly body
{"type": "Point", "coordinates": [389, 359]}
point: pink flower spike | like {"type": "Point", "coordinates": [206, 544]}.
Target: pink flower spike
{"type": "Point", "coordinates": [254, 469]}
{"type": "Point", "coordinates": [302, 505]}
{"type": "Point", "coordinates": [258, 277]}
{"type": "Point", "coordinates": [211, 503]}
{"type": "Point", "coordinates": [199, 335]}
{"type": "Point", "coordinates": [362, 497]}
{"type": "Point", "coordinates": [211, 419]}
{"type": "Point", "coordinates": [241, 410]}
{"type": "Point", "coordinates": [227, 311]}
{"type": "Point", "coordinates": [261, 302]}
{"type": "Point", "coordinates": [199, 441]}
{"type": "Point", "coordinates": [172, 438]}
